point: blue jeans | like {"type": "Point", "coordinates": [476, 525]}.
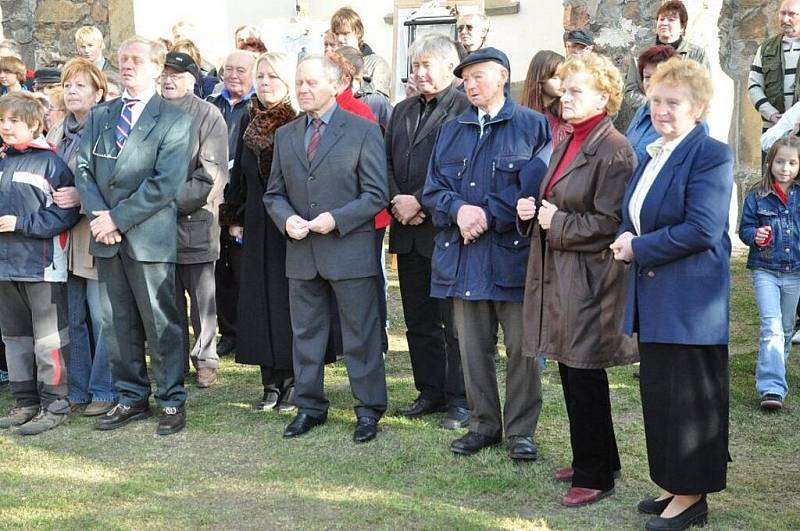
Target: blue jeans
{"type": "Point", "coordinates": [89, 376]}
{"type": "Point", "coordinates": [776, 295]}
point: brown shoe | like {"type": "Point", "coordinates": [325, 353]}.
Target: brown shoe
{"type": "Point", "coordinates": [98, 407]}
{"type": "Point", "coordinates": [578, 496]}
{"type": "Point", "coordinates": [206, 377]}
{"type": "Point", "coordinates": [18, 416]}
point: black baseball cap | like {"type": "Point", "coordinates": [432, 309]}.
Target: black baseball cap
{"type": "Point", "coordinates": [579, 36]}
{"type": "Point", "coordinates": [181, 62]}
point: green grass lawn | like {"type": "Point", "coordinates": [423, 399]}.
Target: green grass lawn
{"type": "Point", "coordinates": [231, 469]}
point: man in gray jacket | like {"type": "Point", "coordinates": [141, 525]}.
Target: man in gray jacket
{"type": "Point", "coordinates": [198, 204]}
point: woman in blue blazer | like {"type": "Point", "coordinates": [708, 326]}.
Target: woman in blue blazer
{"type": "Point", "coordinates": [675, 234]}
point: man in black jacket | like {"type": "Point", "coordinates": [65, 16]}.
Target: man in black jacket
{"type": "Point", "coordinates": [432, 345]}
{"type": "Point", "coordinates": [234, 104]}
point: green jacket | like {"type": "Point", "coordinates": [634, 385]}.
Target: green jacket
{"type": "Point", "coordinates": [772, 66]}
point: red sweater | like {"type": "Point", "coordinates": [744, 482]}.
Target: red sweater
{"type": "Point", "coordinates": [580, 132]}
{"type": "Point", "coordinates": [349, 103]}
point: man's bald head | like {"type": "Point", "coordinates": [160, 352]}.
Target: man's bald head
{"type": "Point", "coordinates": [789, 18]}
{"type": "Point", "coordinates": [237, 73]}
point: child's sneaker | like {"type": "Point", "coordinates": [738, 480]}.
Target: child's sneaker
{"type": "Point", "coordinates": [43, 421]}
{"type": "Point", "coordinates": [18, 416]}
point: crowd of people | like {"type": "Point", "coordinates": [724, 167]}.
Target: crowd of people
{"type": "Point", "coordinates": [253, 199]}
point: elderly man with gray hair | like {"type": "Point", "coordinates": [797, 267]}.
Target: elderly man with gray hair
{"type": "Point", "coordinates": [328, 180]}
{"type": "Point", "coordinates": [412, 131]}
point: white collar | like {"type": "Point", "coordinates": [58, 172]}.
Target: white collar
{"type": "Point", "coordinates": [660, 145]}
{"type": "Point", "coordinates": [492, 112]}
{"type": "Point", "coordinates": [143, 96]}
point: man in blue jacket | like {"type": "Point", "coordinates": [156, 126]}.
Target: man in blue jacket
{"type": "Point", "coordinates": [479, 259]}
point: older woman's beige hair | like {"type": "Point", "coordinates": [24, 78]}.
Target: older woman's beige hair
{"type": "Point", "coordinates": [689, 73]}
{"type": "Point", "coordinates": [605, 76]}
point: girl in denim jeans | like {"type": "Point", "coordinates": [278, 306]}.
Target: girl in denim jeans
{"type": "Point", "coordinates": [771, 228]}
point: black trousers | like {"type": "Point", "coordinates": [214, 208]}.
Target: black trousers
{"type": "Point", "coordinates": [138, 302]}
{"type": "Point", "coordinates": [591, 431]}
{"type": "Point", "coordinates": [226, 275]}
{"type": "Point", "coordinates": [431, 335]}
{"type": "Point", "coordinates": [310, 303]}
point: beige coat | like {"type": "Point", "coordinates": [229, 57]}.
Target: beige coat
{"type": "Point", "coordinates": [81, 263]}
{"type": "Point", "coordinates": [575, 291]}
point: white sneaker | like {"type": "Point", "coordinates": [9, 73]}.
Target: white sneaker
{"type": "Point", "coordinates": [796, 338]}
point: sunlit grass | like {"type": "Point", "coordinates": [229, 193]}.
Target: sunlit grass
{"type": "Point", "coordinates": [231, 468]}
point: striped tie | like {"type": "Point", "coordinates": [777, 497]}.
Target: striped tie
{"type": "Point", "coordinates": [316, 136]}
{"type": "Point", "coordinates": [125, 122]}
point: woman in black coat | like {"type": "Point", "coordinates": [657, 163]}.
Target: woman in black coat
{"type": "Point", "coordinates": [264, 335]}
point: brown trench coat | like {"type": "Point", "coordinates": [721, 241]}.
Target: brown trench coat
{"type": "Point", "coordinates": [575, 290]}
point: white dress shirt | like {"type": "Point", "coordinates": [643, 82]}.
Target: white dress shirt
{"type": "Point", "coordinates": [659, 152]}
{"type": "Point", "coordinates": [492, 113]}
{"type": "Point", "coordinates": [138, 107]}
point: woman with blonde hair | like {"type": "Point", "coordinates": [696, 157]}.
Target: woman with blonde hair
{"type": "Point", "coordinates": [264, 334]}
{"type": "Point", "coordinates": [675, 234]}
{"type": "Point", "coordinates": [90, 383]}
{"type": "Point", "coordinates": [575, 290]}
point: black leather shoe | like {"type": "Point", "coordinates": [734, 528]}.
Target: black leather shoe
{"type": "Point", "coordinates": [456, 419]}
{"type": "Point", "coordinates": [225, 346]}
{"type": "Point", "coordinates": [301, 423]}
{"type": "Point", "coordinates": [523, 448]}
{"type": "Point", "coordinates": [120, 415]}
{"type": "Point", "coordinates": [366, 429]}
{"type": "Point", "coordinates": [472, 443]}
{"type": "Point", "coordinates": [653, 505]}
{"type": "Point", "coordinates": [268, 401]}
{"type": "Point", "coordinates": [421, 407]}
{"type": "Point", "coordinates": [695, 515]}
{"type": "Point", "coordinates": [172, 420]}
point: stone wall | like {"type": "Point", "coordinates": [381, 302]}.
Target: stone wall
{"type": "Point", "coordinates": [742, 24]}
{"type": "Point", "coordinates": [46, 28]}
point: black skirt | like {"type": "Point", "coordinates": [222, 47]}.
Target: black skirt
{"type": "Point", "coordinates": [685, 405]}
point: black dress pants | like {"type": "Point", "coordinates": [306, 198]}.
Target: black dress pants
{"type": "Point", "coordinates": [595, 457]}
{"type": "Point", "coordinates": [226, 275]}
{"type": "Point", "coordinates": [431, 335]}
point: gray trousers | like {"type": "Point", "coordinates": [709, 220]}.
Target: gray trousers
{"type": "Point", "coordinates": [310, 303]}
{"type": "Point", "coordinates": [197, 280]}
{"type": "Point", "coordinates": [138, 302]}
{"type": "Point", "coordinates": [476, 323]}
{"type": "Point", "coordinates": [33, 317]}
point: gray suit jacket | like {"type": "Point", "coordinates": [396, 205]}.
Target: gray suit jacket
{"type": "Point", "coordinates": [139, 187]}
{"type": "Point", "coordinates": [346, 178]}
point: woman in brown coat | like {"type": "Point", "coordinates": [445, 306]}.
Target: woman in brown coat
{"type": "Point", "coordinates": [575, 291]}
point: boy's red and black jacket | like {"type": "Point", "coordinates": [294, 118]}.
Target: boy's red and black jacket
{"type": "Point", "coordinates": [37, 249]}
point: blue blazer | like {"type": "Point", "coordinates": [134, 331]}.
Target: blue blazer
{"type": "Point", "coordinates": [679, 285]}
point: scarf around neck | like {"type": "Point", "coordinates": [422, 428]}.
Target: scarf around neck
{"type": "Point", "coordinates": [260, 133]}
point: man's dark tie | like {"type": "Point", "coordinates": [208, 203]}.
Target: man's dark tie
{"type": "Point", "coordinates": [484, 120]}
{"type": "Point", "coordinates": [316, 136]}
{"type": "Point", "coordinates": [125, 122]}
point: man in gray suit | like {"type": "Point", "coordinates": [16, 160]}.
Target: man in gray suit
{"type": "Point", "coordinates": [131, 164]}
{"type": "Point", "coordinates": [328, 181]}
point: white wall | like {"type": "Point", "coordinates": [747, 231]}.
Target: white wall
{"type": "Point", "coordinates": [536, 27]}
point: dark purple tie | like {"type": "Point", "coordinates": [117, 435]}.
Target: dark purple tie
{"type": "Point", "coordinates": [313, 144]}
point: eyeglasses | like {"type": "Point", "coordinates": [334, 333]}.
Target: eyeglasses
{"type": "Point", "coordinates": [104, 155]}
{"type": "Point", "coordinates": [462, 27]}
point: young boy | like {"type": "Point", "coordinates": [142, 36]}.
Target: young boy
{"type": "Point", "coordinates": [33, 267]}
{"type": "Point", "coordinates": [12, 75]}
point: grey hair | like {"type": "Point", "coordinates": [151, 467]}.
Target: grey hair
{"type": "Point", "coordinates": [331, 70]}
{"type": "Point", "coordinates": [439, 46]}
{"type": "Point", "coordinates": [485, 21]}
